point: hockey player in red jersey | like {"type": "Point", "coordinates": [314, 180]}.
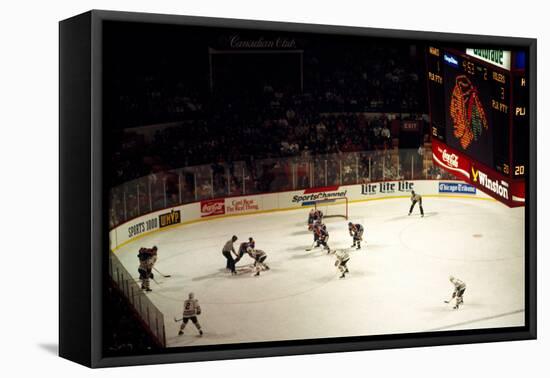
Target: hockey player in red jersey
{"type": "Point", "coordinates": [322, 236]}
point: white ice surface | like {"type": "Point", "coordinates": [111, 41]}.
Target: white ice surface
{"type": "Point", "coordinates": [397, 282]}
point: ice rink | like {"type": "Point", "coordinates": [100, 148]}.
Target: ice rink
{"type": "Point", "coordinates": [397, 282]}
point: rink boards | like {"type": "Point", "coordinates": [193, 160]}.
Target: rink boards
{"type": "Point", "coordinates": [210, 209]}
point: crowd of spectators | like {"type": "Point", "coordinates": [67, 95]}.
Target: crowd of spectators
{"type": "Point", "coordinates": [228, 137]}
{"type": "Point", "coordinates": [337, 128]}
{"type": "Point", "coordinates": [323, 116]}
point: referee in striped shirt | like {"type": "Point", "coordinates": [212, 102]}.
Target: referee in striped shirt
{"type": "Point", "coordinates": [414, 199]}
{"type": "Point", "coordinates": [228, 248]}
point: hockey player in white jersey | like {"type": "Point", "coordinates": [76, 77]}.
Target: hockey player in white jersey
{"type": "Point", "coordinates": [259, 257]}
{"type": "Point", "coordinates": [356, 231]}
{"type": "Point", "coordinates": [191, 309]}
{"type": "Point", "coordinates": [458, 293]}
{"type": "Point", "coordinates": [342, 258]}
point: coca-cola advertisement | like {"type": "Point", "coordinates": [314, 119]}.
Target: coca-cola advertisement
{"type": "Point", "coordinates": [212, 207]}
{"type": "Point", "coordinates": [451, 160]}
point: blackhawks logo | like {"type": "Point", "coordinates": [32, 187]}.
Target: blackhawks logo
{"type": "Point", "coordinates": [469, 119]}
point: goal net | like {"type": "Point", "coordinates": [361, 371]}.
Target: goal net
{"type": "Point", "coordinates": [333, 207]}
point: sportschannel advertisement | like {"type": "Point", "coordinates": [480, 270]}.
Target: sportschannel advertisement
{"type": "Point", "coordinates": [309, 196]}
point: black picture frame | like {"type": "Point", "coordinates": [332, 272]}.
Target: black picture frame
{"type": "Point", "coordinates": [83, 196]}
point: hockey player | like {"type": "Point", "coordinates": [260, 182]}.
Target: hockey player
{"type": "Point", "coordinates": [241, 252]}
{"type": "Point", "coordinates": [458, 293]}
{"type": "Point", "coordinates": [318, 215]}
{"type": "Point", "coordinates": [243, 248]}
{"type": "Point", "coordinates": [342, 258]}
{"type": "Point", "coordinates": [144, 277]}
{"type": "Point", "coordinates": [227, 250]}
{"type": "Point", "coordinates": [147, 258]}
{"type": "Point", "coordinates": [356, 231]}
{"type": "Point", "coordinates": [322, 236]}
{"type": "Point", "coordinates": [414, 199]}
{"type": "Point", "coordinates": [191, 309]}
{"type": "Point", "coordinates": [259, 257]}
{"type": "Point", "coordinates": [310, 218]}
{"type": "Point", "coordinates": [317, 229]}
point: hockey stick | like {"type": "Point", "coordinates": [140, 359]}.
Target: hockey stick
{"type": "Point", "coordinates": [155, 281]}
{"type": "Point", "coordinates": [310, 248]}
{"type": "Point", "coordinates": [177, 320]}
{"type": "Point", "coordinates": [450, 300]}
{"type": "Point", "coordinates": [164, 275]}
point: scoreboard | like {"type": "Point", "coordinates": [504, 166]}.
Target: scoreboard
{"type": "Point", "coordinates": [478, 111]}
